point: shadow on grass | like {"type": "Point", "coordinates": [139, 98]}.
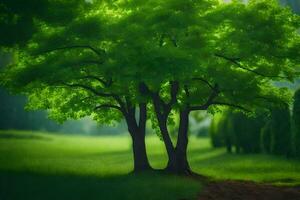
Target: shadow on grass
{"type": "Point", "coordinates": [22, 136]}
{"type": "Point", "coordinates": [28, 186]}
{"type": "Point", "coordinates": [256, 167]}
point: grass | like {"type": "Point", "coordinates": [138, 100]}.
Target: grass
{"type": "Point", "coordinates": [45, 166]}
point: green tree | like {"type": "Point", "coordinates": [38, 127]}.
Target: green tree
{"type": "Point", "coordinates": [238, 130]}
{"type": "Point", "coordinates": [60, 70]}
{"type": "Point", "coordinates": [221, 130]}
{"type": "Point", "coordinates": [296, 119]}
{"type": "Point", "coordinates": [246, 131]}
{"type": "Point", "coordinates": [265, 139]}
{"type": "Point", "coordinates": [281, 140]}
{"type": "Point", "coordinates": [182, 56]}
{"type": "Point", "coordinates": [215, 132]}
{"type": "Point", "coordinates": [229, 55]}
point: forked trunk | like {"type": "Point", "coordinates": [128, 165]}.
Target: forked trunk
{"type": "Point", "coordinates": [178, 162]}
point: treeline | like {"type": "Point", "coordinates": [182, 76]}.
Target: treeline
{"type": "Point", "coordinates": [13, 116]}
{"type": "Point", "coordinates": [276, 132]}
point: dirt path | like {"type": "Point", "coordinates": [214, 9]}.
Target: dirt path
{"type": "Point", "coordinates": [236, 190]}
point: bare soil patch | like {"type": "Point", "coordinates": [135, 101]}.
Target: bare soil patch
{"type": "Point", "coordinates": [240, 190]}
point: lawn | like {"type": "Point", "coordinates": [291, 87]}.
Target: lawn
{"type": "Point", "coordinates": [46, 166]}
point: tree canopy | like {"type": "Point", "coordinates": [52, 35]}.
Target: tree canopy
{"type": "Point", "coordinates": [181, 55]}
{"type": "Point", "coordinates": [198, 43]}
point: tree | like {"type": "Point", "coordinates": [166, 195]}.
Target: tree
{"type": "Point", "coordinates": [296, 119]}
{"type": "Point", "coordinates": [215, 131]}
{"type": "Point", "coordinates": [238, 130]}
{"type": "Point", "coordinates": [281, 140]}
{"type": "Point", "coordinates": [221, 130]}
{"type": "Point", "coordinates": [246, 130]}
{"type": "Point", "coordinates": [181, 56]}
{"type": "Point", "coordinates": [228, 55]}
{"type": "Point", "coordinates": [60, 70]}
{"type": "Point", "coordinates": [13, 115]}
{"type": "Point", "coordinates": [265, 139]}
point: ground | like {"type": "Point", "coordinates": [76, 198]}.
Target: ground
{"type": "Point", "coordinates": [245, 190]}
{"type": "Point", "coordinates": [44, 166]}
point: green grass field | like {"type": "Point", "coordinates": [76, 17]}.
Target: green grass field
{"type": "Point", "coordinates": [47, 166]}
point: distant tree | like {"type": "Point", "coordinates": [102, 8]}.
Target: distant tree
{"type": "Point", "coordinates": [238, 130]}
{"type": "Point", "coordinates": [247, 132]}
{"type": "Point", "coordinates": [281, 140]}
{"type": "Point", "coordinates": [13, 115]}
{"type": "Point", "coordinates": [215, 131]}
{"type": "Point", "coordinates": [265, 139]}
{"type": "Point", "coordinates": [296, 119]}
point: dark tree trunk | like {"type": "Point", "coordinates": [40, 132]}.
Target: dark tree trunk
{"type": "Point", "coordinates": [228, 145]}
{"type": "Point", "coordinates": [167, 140]}
{"type": "Point", "coordinates": [140, 158]}
{"type": "Point", "coordinates": [138, 133]}
{"type": "Point", "coordinates": [179, 163]}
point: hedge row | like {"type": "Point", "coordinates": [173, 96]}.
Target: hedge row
{"type": "Point", "coordinates": [276, 132]}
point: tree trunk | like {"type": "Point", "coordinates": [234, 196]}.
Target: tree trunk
{"type": "Point", "coordinates": [138, 133]}
{"type": "Point", "coordinates": [141, 162]}
{"type": "Point", "coordinates": [167, 141]}
{"type": "Point", "coordinates": [179, 163]}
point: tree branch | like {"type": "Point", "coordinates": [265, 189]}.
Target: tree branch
{"type": "Point", "coordinates": [215, 92]}
{"type": "Point", "coordinates": [237, 63]}
{"type": "Point", "coordinates": [107, 106]}
{"type": "Point", "coordinates": [105, 83]}
{"type": "Point", "coordinates": [75, 47]}
{"type": "Point", "coordinates": [122, 105]}
{"type": "Point", "coordinates": [205, 107]}
{"type": "Point", "coordinates": [204, 81]}
{"type": "Point", "coordinates": [270, 100]}
{"type": "Point", "coordinates": [230, 105]}
{"type": "Point", "coordinates": [143, 116]}
{"type": "Point", "coordinates": [186, 90]}
{"type": "Point", "coordinates": [88, 88]}
{"type": "Point", "coordinates": [174, 91]}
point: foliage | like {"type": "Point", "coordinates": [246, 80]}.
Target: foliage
{"type": "Point", "coordinates": [18, 21]}
{"type": "Point", "coordinates": [247, 131]}
{"type": "Point", "coordinates": [134, 41]}
{"type": "Point", "coordinates": [266, 137]}
{"type": "Point", "coordinates": [253, 134]}
{"type": "Point", "coordinates": [296, 120]}
{"type": "Point", "coordinates": [281, 140]}
{"type": "Point", "coordinates": [13, 115]}
{"type": "Point", "coordinates": [215, 132]}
